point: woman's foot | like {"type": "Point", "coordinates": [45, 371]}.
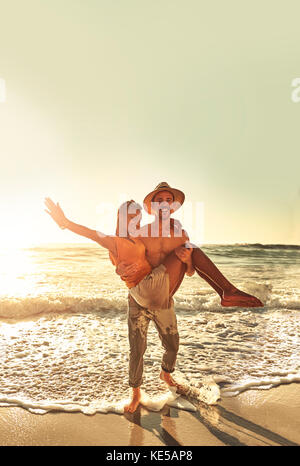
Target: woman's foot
{"type": "Point", "coordinates": [135, 401]}
{"type": "Point", "coordinates": [236, 297]}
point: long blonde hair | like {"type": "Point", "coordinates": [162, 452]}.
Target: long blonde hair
{"type": "Point", "coordinates": [124, 207]}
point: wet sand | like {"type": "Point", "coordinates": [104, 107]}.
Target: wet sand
{"type": "Point", "coordinates": [255, 418]}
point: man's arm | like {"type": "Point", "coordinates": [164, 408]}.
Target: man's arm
{"type": "Point", "coordinates": [190, 268]}
{"type": "Point", "coordinates": [184, 253]}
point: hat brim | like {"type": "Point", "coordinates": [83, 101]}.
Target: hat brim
{"type": "Point", "coordinates": [178, 195]}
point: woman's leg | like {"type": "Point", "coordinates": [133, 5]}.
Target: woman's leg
{"type": "Point", "coordinates": [176, 270]}
{"type": "Point", "coordinates": [206, 269]}
{"type": "Point", "coordinates": [230, 295]}
{"type": "Point", "coordinates": [210, 282]}
{"type": "Point", "coordinates": [209, 272]}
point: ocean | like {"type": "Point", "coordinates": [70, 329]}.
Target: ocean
{"type": "Point", "coordinates": [63, 327]}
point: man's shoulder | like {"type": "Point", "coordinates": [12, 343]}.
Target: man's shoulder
{"type": "Point", "coordinates": [185, 235]}
{"type": "Point", "coordinates": [149, 230]}
{"type": "Point", "coordinates": [178, 229]}
{"type": "Point", "coordinates": [145, 227]}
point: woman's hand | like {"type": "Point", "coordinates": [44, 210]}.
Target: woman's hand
{"type": "Point", "coordinates": [56, 212]}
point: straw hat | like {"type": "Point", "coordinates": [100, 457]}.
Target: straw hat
{"type": "Point", "coordinates": [178, 196]}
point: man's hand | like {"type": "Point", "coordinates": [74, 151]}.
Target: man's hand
{"type": "Point", "coordinates": [127, 272]}
{"type": "Point", "coordinates": [184, 253]}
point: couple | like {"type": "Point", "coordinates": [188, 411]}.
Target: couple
{"type": "Point", "coordinates": [152, 260]}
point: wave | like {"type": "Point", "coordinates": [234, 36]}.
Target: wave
{"type": "Point", "coordinates": [266, 246]}
{"type": "Point", "coordinates": [285, 253]}
{"type": "Point", "coordinates": [19, 308]}
{"type": "Point", "coordinates": [88, 246]}
{"type": "Point", "coordinates": [209, 394]}
{"type": "Point", "coordinates": [260, 384]}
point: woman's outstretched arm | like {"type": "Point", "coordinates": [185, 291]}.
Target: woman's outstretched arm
{"type": "Point", "coordinates": [63, 222]}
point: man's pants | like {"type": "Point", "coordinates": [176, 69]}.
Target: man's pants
{"type": "Point", "coordinates": [138, 322]}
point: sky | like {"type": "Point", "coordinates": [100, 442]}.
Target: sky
{"type": "Point", "coordinates": [106, 99]}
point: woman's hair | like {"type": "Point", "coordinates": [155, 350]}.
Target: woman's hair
{"type": "Point", "coordinates": [124, 209]}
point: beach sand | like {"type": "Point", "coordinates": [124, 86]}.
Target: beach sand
{"type": "Point", "coordinates": [255, 418]}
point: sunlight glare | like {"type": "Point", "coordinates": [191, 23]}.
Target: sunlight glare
{"type": "Point", "coordinates": [16, 272]}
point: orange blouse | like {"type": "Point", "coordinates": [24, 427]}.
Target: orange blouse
{"type": "Point", "coordinates": [131, 251]}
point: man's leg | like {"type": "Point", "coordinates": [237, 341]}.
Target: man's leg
{"type": "Point", "coordinates": [166, 324]}
{"type": "Point", "coordinates": [230, 295]}
{"type": "Point", "coordinates": [138, 323]}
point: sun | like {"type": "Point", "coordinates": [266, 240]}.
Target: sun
{"type": "Point", "coordinates": [17, 272]}
{"type": "Point", "coordinates": [16, 233]}
{"type": "Point", "coordinates": [24, 223]}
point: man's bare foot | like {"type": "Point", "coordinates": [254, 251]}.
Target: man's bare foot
{"type": "Point", "coordinates": [135, 401]}
{"type": "Point", "coordinates": [237, 297]}
{"type": "Point", "coordinates": [166, 377]}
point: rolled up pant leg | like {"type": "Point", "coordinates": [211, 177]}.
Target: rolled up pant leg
{"type": "Point", "coordinates": [166, 324]}
{"type": "Point", "coordinates": [138, 323]}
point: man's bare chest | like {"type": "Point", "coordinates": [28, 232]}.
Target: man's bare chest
{"type": "Point", "coordinates": [158, 248]}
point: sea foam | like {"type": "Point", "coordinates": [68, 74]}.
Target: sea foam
{"type": "Point", "coordinates": [64, 338]}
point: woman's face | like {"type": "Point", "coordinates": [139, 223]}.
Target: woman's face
{"type": "Point", "coordinates": [133, 221]}
{"type": "Point", "coordinates": [130, 218]}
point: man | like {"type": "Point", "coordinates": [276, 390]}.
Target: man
{"type": "Point", "coordinates": [161, 238]}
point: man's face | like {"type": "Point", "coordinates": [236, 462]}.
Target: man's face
{"type": "Point", "coordinates": [165, 199]}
